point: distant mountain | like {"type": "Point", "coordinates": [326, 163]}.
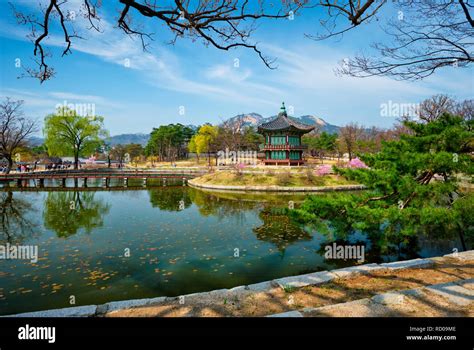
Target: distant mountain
{"type": "Point", "coordinates": [35, 141]}
{"type": "Point", "coordinates": [142, 139]}
{"type": "Point", "coordinates": [244, 120]}
{"type": "Point", "coordinates": [193, 127]}
{"type": "Point", "coordinates": [254, 119]}
{"type": "Point", "coordinates": [124, 139]}
{"type": "Point", "coordinates": [319, 122]}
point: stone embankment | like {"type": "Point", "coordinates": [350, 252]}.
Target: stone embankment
{"type": "Point", "coordinates": [441, 286]}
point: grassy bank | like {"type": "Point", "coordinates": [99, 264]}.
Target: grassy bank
{"type": "Point", "coordinates": [232, 178]}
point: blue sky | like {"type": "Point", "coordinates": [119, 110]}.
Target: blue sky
{"type": "Point", "coordinates": [203, 81]}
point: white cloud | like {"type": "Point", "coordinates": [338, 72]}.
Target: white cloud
{"type": "Point", "coordinates": [71, 97]}
{"type": "Point", "coordinates": [228, 73]}
{"type": "Point", "coordinates": [312, 67]}
{"type": "Point", "coordinates": [162, 69]}
{"type": "Point", "coordinates": [39, 105]}
{"type": "Point", "coordinates": [305, 77]}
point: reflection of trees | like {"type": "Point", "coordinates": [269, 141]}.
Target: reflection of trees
{"type": "Point", "coordinates": [210, 204]}
{"type": "Point", "coordinates": [14, 225]}
{"type": "Point", "coordinates": [68, 212]}
{"type": "Point", "coordinates": [279, 229]}
{"type": "Point", "coordinates": [168, 198]}
{"type": "Point", "coordinates": [380, 240]}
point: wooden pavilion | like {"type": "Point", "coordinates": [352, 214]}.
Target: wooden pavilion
{"type": "Point", "coordinates": [283, 140]}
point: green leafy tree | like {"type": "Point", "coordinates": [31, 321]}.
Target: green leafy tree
{"type": "Point", "coordinates": [204, 140]}
{"type": "Point", "coordinates": [67, 133]}
{"type": "Point", "coordinates": [39, 151]}
{"type": "Point", "coordinates": [311, 141]}
{"type": "Point", "coordinates": [168, 141]}
{"type": "Point", "coordinates": [326, 144]}
{"type": "Point", "coordinates": [118, 153]}
{"type": "Point", "coordinates": [413, 187]}
{"type": "Point", "coordinates": [251, 138]}
{"type": "Point", "coordinates": [192, 147]}
{"type": "Point", "coordinates": [321, 144]}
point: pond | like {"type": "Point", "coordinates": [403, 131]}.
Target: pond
{"type": "Point", "coordinates": [100, 246]}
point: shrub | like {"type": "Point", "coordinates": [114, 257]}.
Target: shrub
{"type": "Point", "coordinates": [357, 163]}
{"type": "Point", "coordinates": [324, 170]}
{"type": "Point", "coordinates": [239, 169]}
{"type": "Point", "coordinates": [284, 179]}
{"type": "Point", "coordinates": [309, 174]}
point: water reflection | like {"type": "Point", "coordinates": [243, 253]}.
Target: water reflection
{"type": "Point", "coordinates": [170, 198]}
{"type": "Point", "coordinates": [279, 229]}
{"type": "Point", "coordinates": [14, 222]}
{"type": "Point", "coordinates": [66, 213]}
{"type": "Point", "coordinates": [181, 240]}
{"type": "Point", "coordinates": [212, 204]}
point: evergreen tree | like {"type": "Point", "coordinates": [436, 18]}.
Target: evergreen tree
{"type": "Point", "coordinates": [413, 187]}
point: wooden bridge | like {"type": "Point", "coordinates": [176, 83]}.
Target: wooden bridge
{"type": "Point", "coordinates": [38, 178]}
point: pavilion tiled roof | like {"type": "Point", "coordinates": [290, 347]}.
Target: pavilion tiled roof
{"type": "Point", "coordinates": [282, 122]}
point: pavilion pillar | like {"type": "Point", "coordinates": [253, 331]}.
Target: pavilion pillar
{"type": "Point", "coordinates": [84, 182]}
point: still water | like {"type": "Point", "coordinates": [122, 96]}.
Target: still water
{"type": "Point", "coordinates": [100, 246]}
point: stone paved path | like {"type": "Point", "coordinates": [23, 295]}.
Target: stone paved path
{"type": "Point", "coordinates": [442, 286]}
{"type": "Point", "coordinates": [445, 299]}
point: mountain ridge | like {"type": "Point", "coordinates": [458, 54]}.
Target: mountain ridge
{"type": "Point", "coordinates": [247, 119]}
{"type": "Point", "coordinates": [254, 119]}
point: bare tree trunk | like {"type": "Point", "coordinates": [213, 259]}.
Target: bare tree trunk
{"type": "Point", "coordinates": [10, 164]}
{"type": "Point", "coordinates": [209, 153]}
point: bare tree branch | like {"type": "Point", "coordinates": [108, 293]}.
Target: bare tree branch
{"type": "Point", "coordinates": [14, 129]}
{"type": "Point", "coordinates": [223, 24]}
{"type": "Point", "coordinates": [426, 35]}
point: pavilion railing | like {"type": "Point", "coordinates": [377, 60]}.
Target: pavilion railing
{"type": "Point", "coordinates": [282, 147]}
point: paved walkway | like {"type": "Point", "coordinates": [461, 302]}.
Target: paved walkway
{"type": "Point", "coordinates": [442, 286]}
{"type": "Point", "coordinates": [444, 299]}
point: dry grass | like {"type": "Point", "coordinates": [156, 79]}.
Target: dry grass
{"type": "Point", "coordinates": [230, 178]}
